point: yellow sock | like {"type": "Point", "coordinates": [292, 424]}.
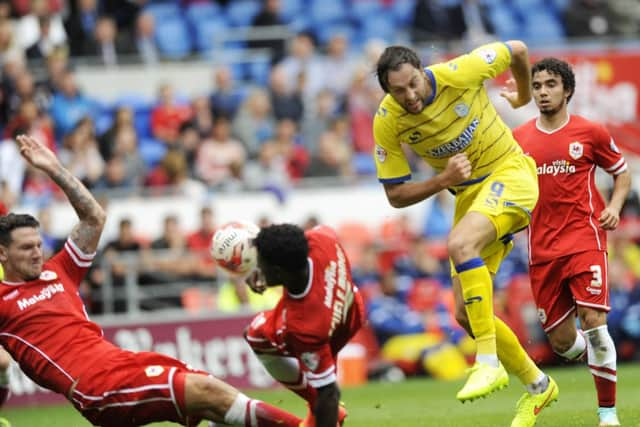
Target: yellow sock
{"type": "Point", "coordinates": [477, 291]}
{"type": "Point", "coordinates": [510, 352]}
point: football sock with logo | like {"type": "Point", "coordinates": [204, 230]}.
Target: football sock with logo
{"type": "Point", "coordinates": [515, 360]}
{"type": "Point", "coordinates": [255, 413]}
{"type": "Point", "coordinates": [577, 349]}
{"type": "Point", "coordinates": [286, 370]}
{"type": "Point", "coordinates": [477, 292]}
{"type": "Point", "coordinates": [601, 358]}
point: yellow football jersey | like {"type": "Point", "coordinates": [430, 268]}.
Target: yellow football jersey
{"type": "Point", "coordinates": [457, 118]}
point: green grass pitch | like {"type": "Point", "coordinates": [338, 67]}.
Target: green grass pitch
{"type": "Point", "coordinates": [424, 402]}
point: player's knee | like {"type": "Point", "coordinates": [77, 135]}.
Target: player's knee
{"type": "Point", "coordinates": [561, 343]}
{"type": "Point", "coordinates": [590, 319]}
{"type": "Point", "coordinates": [461, 248]}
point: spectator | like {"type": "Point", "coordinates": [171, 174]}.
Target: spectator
{"type": "Point", "coordinates": [339, 65]}
{"type": "Point", "coordinates": [188, 143]}
{"type": "Point", "coordinates": [220, 158]}
{"type": "Point", "coordinates": [435, 20]}
{"type": "Point", "coordinates": [294, 156]}
{"type": "Point", "coordinates": [69, 105]}
{"type": "Point", "coordinates": [123, 118]}
{"type": "Point", "coordinates": [80, 26]}
{"type": "Point", "coordinates": [12, 165]}
{"type": "Point", "coordinates": [269, 16]}
{"type": "Point", "coordinates": [198, 243]}
{"type": "Point", "coordinates": [588, 18]}
{"type": "Point", "coordinates": [254, 123]}
{"type": "Point", "coordinates": [80, 153]}
{"type": "Point", "coordinates": [226, 98]}
{"type": "Point", "coordinates": [9, 48]}
{"type": "Point", "coordinates": [303, 66]}
{"type": "Point", "coordinates": [126, 148]}
{"type": "Point", "coordinates": [318, 119]}
{"type": "Point", "coordinates": [45, 44]}
{"type": "Point", "coordinates": [109, 44]}
{"type": "Point", "coordinates": [29, 26]}
{"type": "Point", "coordinates": [202, 116]}
{"type": "Point", "coordinates": [172, 175]}
{"type": "Point", "coordinates": [145, 39]}
{"type": "Point", "coordinates": [168, 116]}
{"type": "Point", "coordinates": [332, 158]}
{"type": "Point", "coordinates": [286, 102]}
{"type": "Point", "coordinates": [39, 125]}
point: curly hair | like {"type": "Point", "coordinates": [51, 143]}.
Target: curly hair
{"type": "Point", "coordinates": [11, 221]}
{"type": "Point", "coordinates": [559, 68]}
{"type": "Point", "coordinates": [283, 245]}
{"type": "Point", "coordinates": [391, 60]}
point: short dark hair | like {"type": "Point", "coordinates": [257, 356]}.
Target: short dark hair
{"type": "Point", "coordinates": [560, 68]}
{"type": "Point", "coordinates": [391, 60]}
{"type": "Point", "coordinates": [11, 221]}
{"type": "Point", "coordinates": [283, 245]}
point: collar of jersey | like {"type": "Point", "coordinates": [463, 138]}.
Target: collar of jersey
{"type": "Point", "coordinates": [308, 288]}
{"type": "Point", "coordinates": [432, 78]}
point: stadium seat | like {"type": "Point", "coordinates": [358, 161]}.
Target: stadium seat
{"type": "Point", "coordinates": [324, 32]}
{"type": "Point", "coordinates": [361, 10]}
{"type": "Point", "coordinates": [203, 11]}
{"type": "Point", "coordinates": [240, 13]}
{"type": "Point", "coordinates": [207, 31]}
{"type": "Point", "coordinates": [325, 11]}
{"type": "Point", "coordinates": [378, 27]}
{"type": "Point", "coordinates": [402, 11]}
{"type": "Point", "coordinates": [553, 29]}
{"type": "Point", "coordinates": [258, 70]}
{"type": "Point", "coordinates": [290, 9]}
{"type": "Point", "coordinates": [151, 151]}
{"type": "Point", "coordinates": [505, 23]}
{"type": "Point", "coordinates": [363, 164]}
{"type": "Point", "coordinates": [172, 36]}
{"type": "Point", "coordinates": [162, 11]}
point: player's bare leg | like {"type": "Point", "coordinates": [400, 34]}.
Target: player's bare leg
{"type": "Point", "coordinates": [208, 397]}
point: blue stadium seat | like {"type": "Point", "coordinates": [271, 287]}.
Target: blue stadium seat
{"type": "Point", "coordinates": [203, 11]}
{"type": "Point", "coordinates": [324, 32]}
{"type": "Point", "coordinates": [162, 11]}
{"type": "Point", "coordinates": [172, 36]}
{"type": "Point", "coordinates": [505, 23]}
{"type": "Point", "coordinates": [290, 9]}
{"type": "Point", "coordinates": [553, 29]}
{"type": "Point", "coordinates": [240, 13]}
{"type": "Point", "coordinates": [152, 151]}
{"type": "Point", "coordinates": [258, 70]}
{"type": "Point", "coordinates": [362, 10]}
{"type": "Point", "coordinates": [527, 6]}
{"type": "Point", "coordinates": [323, 11]}
{"type": "Point", "coordinates": [378, 27]}
{"type": "Point", "coordinates": [299, 23]}
{"type": "Point", "coordinates": [402, 11]}
{"type": "Point", "coordinates": [363, 164]}
{"type": "Point", "coordinates": [206, 31]}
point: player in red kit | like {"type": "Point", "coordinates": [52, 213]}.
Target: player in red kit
{"type": "Point", "coordinates": [568, 230]}
{"type": "Point", "coordinates": [319, 312]}
{"type": "Point", "coordinates": [44, 326]}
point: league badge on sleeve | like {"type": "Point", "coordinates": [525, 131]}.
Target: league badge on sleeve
{"type": "Point", "coordinates": [488, 55]}
{"type": "Point", "coordinates": [575, 150]}
{"type": "Point", "coordinates": [381, 154]}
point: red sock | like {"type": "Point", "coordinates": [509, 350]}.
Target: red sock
{"type": "Point", "coordinates": [605, 385]}
{"type": "Point", "coordinates": [303, 389]}
{"type": "Point", "coordinates": [261, 414]}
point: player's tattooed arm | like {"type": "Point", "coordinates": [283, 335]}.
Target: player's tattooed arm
{"type": "Point", "coordinates": [86, 233]}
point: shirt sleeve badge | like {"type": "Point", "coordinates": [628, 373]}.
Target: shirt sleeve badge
{"type": "Point", "coordinates": [381, 154]}
{"type": "Point", "coordinates": [575, 150]}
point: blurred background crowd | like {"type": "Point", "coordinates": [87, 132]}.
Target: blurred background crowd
{"type": "Point", "coordinates": [297, 114]}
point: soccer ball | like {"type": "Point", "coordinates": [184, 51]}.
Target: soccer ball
{"type": "Point", "coordinates": [233, 250]}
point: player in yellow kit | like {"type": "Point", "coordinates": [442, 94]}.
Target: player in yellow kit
{"type": "Point", "coordinates": [442, 112]}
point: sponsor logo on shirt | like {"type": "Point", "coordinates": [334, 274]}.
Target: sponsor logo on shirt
{"type": "Point", "coordinates": [575, 150]}
{"type": "Point", "coordinates": [10, 295]}
{"type": "Point", "coordinates": [462, 109]}
{"type": "Point", "coordinates": [557, 167]}
{"type": "Point", "coordinates": [594, 291]}
{"type": "Point", "coordinates": [48, 275]}
{"type": "Point", "coordinates": [45, 294]}
{"type": "Point", "coordinates": [458, 144]}
{"type": "Point", "coordinates": [337, 300]}
{"type": "Point", "coordinates": [382, 112]}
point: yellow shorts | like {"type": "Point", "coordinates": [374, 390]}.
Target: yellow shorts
{"type": "Point", "coordinates": [506, 198]}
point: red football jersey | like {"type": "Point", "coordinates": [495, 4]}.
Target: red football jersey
{"type": "Point", "coordinates": [565, 220]}
{"type": "Point", "coordinates": [44, 325]}
{"type": "Point", "coordinates": [315, 324]}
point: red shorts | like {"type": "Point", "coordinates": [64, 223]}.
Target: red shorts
{"type": "Point", "coordinates": [559, 285]}
{"type": "Point", "coordinates": [135, 389]}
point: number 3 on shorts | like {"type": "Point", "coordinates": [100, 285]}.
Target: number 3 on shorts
{"type": "Point", "coordinates": [597, 275]}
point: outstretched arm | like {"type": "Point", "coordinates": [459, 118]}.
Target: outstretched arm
{"type": "Point", "coordinates": [521, 70]}
{"type": "Point", "coordinates": [86, 233]}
